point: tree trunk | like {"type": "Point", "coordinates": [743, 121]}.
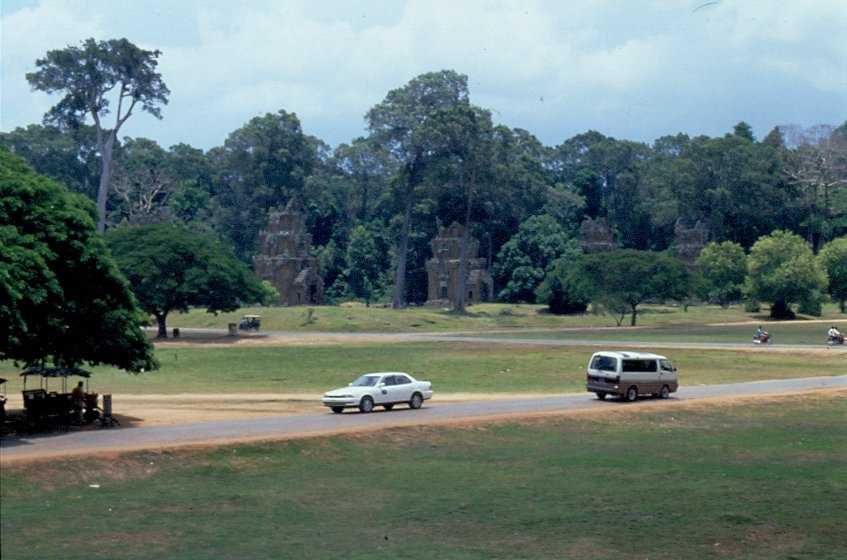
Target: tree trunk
{"type": "Point", "coordinates": [634, 315]}
{"type": "Point", "coordinates": [402, 253]}
{"type": "Point", "coordinates": [462, 280]}
{"type": "Point", "coordinates": [105, 177]}
{"type": "Point", "coordinates": [161, 321]}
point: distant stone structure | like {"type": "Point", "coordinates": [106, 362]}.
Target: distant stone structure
{"type": "Point", "coordinates": [689, 242]}
{"type": "Point", "coordinates": [443, 269]}
{"type": "Point", "coordinates": [286, 260]}
{"type": "Point", "coordinates": [597, 236]}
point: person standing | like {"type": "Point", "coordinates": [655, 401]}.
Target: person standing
{"type": "Point", "coordinates": [78, 397]}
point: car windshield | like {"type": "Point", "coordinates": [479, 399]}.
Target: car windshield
{"type": "Point", "coordinates": [365, 381]}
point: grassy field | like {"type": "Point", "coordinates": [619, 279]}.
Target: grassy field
{"type": "Point", "coordinates": [490, 316]}
{"type": "Point", "coordinates": [764, 479]}
{"type": "Point", "coordinates": [466, 366]}
{"type": "Point", "coordinates": [451, 366]}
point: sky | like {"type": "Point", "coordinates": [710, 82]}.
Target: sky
{"type": "Point", "coordinates": [630, 69]}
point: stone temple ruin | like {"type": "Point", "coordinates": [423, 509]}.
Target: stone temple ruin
{"type": "Point", "coordinates": [286, 260]}
{"type": "Point", "coordinates": [443, 269]}
{"type": "Point", "coordinates": [689, 242]}
{"type": "Point", "coordinates": [597, 236]}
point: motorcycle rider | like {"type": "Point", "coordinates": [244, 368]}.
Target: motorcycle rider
{"type": "Point", "coordinates": [833, 335]}
{"type": "Point", "coordinates": [761, 335]}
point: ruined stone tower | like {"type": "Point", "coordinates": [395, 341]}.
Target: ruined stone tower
{"type": "Point", "coordinates": [443, 269]}
{"type": "Point", "coordinates": [286, 260]}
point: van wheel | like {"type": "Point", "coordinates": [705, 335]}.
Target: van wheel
{"type": "Point", "coordinates": [631, 394]}
{"type": "Point", "coordinates": [663, 394]}
{"type": "Point", "coordinates": [601, 395]}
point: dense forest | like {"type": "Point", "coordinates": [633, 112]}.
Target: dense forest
{"type": "Point", "coordinates": [432, 158]}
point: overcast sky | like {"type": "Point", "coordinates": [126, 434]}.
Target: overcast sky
{"type": "Point", "coordinates": [631, 69]}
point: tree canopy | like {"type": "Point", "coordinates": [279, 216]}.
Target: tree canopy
{"type": "Point", "coordinates": [724, 266]}
{"type": "Point", "coordinates": [63, 300]}
{"type": "Point", "coordinates": [172, 269]}
{"type": "Point", "coordinates": [86, 77]}
{"type": "Point", "coordinates": [782, 270]}
{"type": "Point", "coordinates": [627, 278]}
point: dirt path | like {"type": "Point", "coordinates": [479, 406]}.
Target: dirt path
{"type": "Point", "coordinates": [288, 418]}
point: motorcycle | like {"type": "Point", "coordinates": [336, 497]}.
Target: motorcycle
{"type": "Point", "coordinates": [833, 340]}
{"type": "Point", "coordinates": [764, 338]}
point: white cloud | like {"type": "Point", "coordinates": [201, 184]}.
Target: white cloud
{"type": "Point", "coordinates": [633, 70]}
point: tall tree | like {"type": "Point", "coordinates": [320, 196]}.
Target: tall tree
{"type": "Point", "coordinates": [463, 136]}
{"type": "Point", "coordinates": [63, 300]}
{"type": "Point", "coordinates": [818, 167]}
{"type": "Point", "coordinates": [172, 269]}
{"type": "Point", "coordinates": [397, 123]}
{"type": "Point", "coordinates": [264, 163]}
{"type": "Point", "coordinates": [87, 77]}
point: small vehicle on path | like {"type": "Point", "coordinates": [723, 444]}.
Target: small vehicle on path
{"type": "Point", "coordinates": [250, 323]}
{"type": "Point", "coordinates": [764, 338]}
{"type": "Point", "coordinates": [383, 389]}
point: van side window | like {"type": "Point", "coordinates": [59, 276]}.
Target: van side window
{"type": "Point", "coordinates": [605, 363]}
{"type": "Point", "coordinates": [639, 366]}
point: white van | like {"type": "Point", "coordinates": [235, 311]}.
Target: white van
{"type": "Point", "coordinates": [629, 374]}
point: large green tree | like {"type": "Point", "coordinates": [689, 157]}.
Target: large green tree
{"type": "Point", "coordinates": [629, 278]}
{"type": "Point", "coordinates": [782, 270]}
{"type": "Point", "coordinates": [833, 257]}
{"type": "Point", "coordinates": [173, 269]}
{"type": "Point", "coordinates": [63, 300]}
{"type": "Point", "coordinates": [90, 78]}
{"type": "Point", "coordinates": [399, 124]}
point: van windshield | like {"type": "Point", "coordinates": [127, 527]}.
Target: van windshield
{"type": "Point", "coordinates": [604, 363]}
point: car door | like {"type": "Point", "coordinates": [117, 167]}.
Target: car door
{"type": "Point", "coordinates": [385, 390]}
{"type": "Point", "coordinates": [404, 388]}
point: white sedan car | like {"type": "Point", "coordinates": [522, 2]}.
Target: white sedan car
{"type": "Point", "coordinates": [384, 389]}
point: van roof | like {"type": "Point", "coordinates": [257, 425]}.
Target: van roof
{"type": "Point", "coordinates": [629, 355]}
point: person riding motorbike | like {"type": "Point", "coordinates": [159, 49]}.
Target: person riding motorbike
{"type": "Point", "coordinates": [834, 336]}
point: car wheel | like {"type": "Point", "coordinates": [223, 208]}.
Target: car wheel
{"type": "Point", "coordinates": [631, 394]}
{"type": "Point", "coordinates": [663, 394]}
{"type": "Point", "coordinates": [337, 409]}
{"type": "Point", "coordinates": [416, 401]}
{"type": "Point", "coordinates": [601, 395]}
{"type": "Point", "coordinates": [388, 406]}
{"type": "Point", "coordinates": [366, 404]}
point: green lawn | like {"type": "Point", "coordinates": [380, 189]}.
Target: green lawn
{"type": "Point", "coordinates": [760, 480]}
{"type": "Point", "coordinates": [451, 366]}
{"type": "Point", "coordinates": [489, 316]}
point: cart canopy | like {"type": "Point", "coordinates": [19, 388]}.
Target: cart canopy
{"type": "Point", "coordinates": [54, 372]}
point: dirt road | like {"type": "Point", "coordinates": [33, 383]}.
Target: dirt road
{"type": "Point", "coordinates": [284, 417]}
